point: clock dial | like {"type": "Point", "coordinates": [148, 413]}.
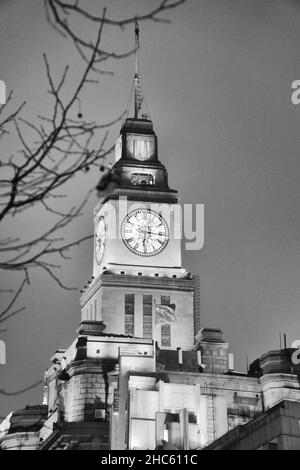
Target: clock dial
{"type": "Point", "coordinates": [100, 239]}
{"type": "Point", "coordinates": [145, 232]}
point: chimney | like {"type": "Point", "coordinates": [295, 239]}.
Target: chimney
{"type": "Point", "coordinates": [230, 362]}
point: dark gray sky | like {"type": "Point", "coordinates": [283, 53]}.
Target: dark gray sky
{"type": "Point", "coordinates": [218, 84]}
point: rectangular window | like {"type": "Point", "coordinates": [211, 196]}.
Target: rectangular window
{"type": "Point", "coordinates": [165, 328]}
{"type": "Point", "coordinates": [273, 446]}
{"type": "Point", "coordinates": [129, 314]}
{"type": "Point", "coordinates": [147, 316]}
{"type": "Point", "coordinates": [141, 149]}
{"type": "Point", "coordinates": [165, 300]}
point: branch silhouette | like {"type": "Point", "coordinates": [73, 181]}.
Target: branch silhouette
{"type": "Point", "coordinates": [56, 148]}
{"type": "Point", "coordinates": [19, 392]}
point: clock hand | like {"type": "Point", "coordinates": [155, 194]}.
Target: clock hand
{"type": "Point", "coordinates": [145, 232]}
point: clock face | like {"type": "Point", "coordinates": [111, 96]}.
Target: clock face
{"type": "Point", "coordinates": [100, 239]}
{"type": "Point", "coordinates": [145, 232]}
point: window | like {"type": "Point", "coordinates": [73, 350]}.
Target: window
{"type": "Point", "coordinates": [141, 149]}
{"type": "Point", "coordinates": [192, 417]}
{"type": "Point", "coordinates": [165, 328]}
{"type": "Point", "coordinates": [147, 316]}
{"type": "Point", "coordinates": [129, 314]}
{"type": "Point", "coordinates": [165, 300]}
{"type": "Point", "coordinates": [272, 446]}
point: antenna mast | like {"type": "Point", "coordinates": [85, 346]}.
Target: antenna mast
{"type": "Point", "coordinates": [138, 98]}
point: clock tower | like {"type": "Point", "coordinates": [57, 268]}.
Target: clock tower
{"type": "Point", "coordinates": [138, 277]}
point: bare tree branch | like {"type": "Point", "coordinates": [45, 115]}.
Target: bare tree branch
{"type": "Point", "coordinates": [57, 148]}
{"type": "Point", "coordinates": [15, 296]}
{"type": "Point", "coordinates": [19, 392]}
{"type": "Point", "coordinates": [59, 15]}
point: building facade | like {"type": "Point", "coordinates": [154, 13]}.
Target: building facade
{"type": "Point", "coordinates": [142, 372]}
{"type": "Point", "coordinates": [276, 429]}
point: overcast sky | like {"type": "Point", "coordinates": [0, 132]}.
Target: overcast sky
{"type": "Point", "coordinates": [217, 81]}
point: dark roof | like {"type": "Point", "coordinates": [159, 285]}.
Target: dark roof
{"type": "Point", "coordinates": [30, 418]}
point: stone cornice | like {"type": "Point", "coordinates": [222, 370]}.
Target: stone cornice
{"type": "Point", "coordinates": [279, 379]}
{"type": "Point", "coordinates": [89, 366]}
{"type": "Point", "coordinates": [148, 282]}
{"type": "Point", "coordinates": [214, 380]}
{"type": "Point", "coordinates": [169, 196]}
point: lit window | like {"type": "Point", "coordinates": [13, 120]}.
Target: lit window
{"type": "Point", "coordinates": [147, 316]}
{"type": "Point", "coordinates": [165, 328]}
{"type": "Point", "coordinates": [129, 314]}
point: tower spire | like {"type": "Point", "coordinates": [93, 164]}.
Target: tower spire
{"type": "Point", "coordinates": [138, 97]}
